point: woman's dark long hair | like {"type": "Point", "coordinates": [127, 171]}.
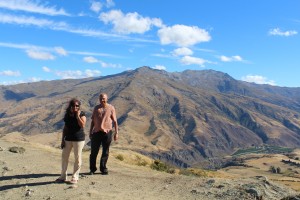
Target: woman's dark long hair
{"type": "Point", "coordinates": [72, 102]}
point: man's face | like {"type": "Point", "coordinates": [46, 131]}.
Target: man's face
{"type": "Point", "coordinates": [103, 99]}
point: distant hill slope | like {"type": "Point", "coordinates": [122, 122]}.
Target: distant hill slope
{"type": "Point", "coordinates": [192, 118]}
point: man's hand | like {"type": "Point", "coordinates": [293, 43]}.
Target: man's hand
{"type": "Point", "coordinates": [116, 136]}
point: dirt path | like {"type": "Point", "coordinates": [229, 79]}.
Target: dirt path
{"type": "Point", "coordinates": [30, 175]}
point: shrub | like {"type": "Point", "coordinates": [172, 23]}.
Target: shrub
{"type": "Point", "coordinates": [160, 166]}
{"type": "Point", "coordinates": [272, 169]}
{"type": "Point", "coordinates": [140, 161]}
{"type": "Point", "coordinates": [120, 157]}
{"type": "Point", "coordinates": [186, 172]}
{"type": "Point", "coordinates": [17, 149]}
{"type": "Point", "coordinates": [278, 170]}
{"type": "Point", "coordinates": [193, 172]}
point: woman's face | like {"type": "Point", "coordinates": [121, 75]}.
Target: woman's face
{"type": "Point", "coordinates": [75, 107]}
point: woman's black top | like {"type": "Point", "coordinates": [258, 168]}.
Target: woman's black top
{"type": "Point", "coordinates": [74, 131]}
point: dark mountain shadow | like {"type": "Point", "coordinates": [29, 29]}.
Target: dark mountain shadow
{"type": "Point", "coordinates": [11, 95]}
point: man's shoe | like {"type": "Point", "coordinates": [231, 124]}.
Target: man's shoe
{"type": "Point", "coordinates": [104, 172]}
{"type": "Point", "coordinates": [92, 173]}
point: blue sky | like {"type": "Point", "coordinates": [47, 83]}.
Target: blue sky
{"type": "Point", "coordinates": [251, 40]}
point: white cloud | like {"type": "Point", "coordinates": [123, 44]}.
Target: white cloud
{"type": "Point", "coordinates": [33, 79]}
{"type": "Point", "coordinates": [237, 58]}
{"type": "Point", "coordinates": [160, 67]}
{"type": "Point", "coordinates": [24, 20]}
{"type": "Point", "coordinates": [10, 73]}
{"type": "Point", "coordinates": [160, 55]}
{"type": "Point", "coordinates": [90, 59]}
{"type": "Point", "coordinates": [86, 53]}
{"type": "Point", "coordinates": [14, 82]}
{"type": "Point", "coordinates": [16, 46]}
{"type": "Point", "coordinates": [182, 35]}
{"type": "Point", "coordinates": [57, 26]}
{"type": "Point", "coordinates": [46, 69]}
{"type": "Point", "coordinates": [184, 51]}
{"type": "Point", "coordinates": [188, 60]}
{"type": "Point", "coordinates": [31, 6]}
{"type": "Point", "coordinates": [110, 65]}
{"type": "Point", "coordinates": [89, 32]}
{"type": "Point", "coordinates": [130, 22]}
{"type": "Point", "coordinates": [277, 31]}
{"type": "Point", "coordinates": [225, 59]}
{"type": "Point", "coordinates": [231, 59]}
{"type": "Point", "coordinates": [96, 6]}
{"type": "Point", "coordinates": [38, 55]}
{"type": "Point", "coordinates": [110, 3]}
{"type": "Point", "coordinates": [69, 74]}
{"type": "Point", "coordinates": [92, 73]}
{"type": "Point", "coordinates": [61, 51]}
{"type": "Point", "coordinates": [62, 26]}
{"type": "Point", "coordinates": [10, 82]}
{"type": "Point", "coordinates": [50, 49]}
{"type": "Point", "coordinates": [258, 79]}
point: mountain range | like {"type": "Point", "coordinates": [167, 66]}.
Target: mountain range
{"type": "Point", "coordinates": [193, 118]}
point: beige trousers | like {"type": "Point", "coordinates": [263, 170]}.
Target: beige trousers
{"type": "Point", "coordinates": [77, 148]}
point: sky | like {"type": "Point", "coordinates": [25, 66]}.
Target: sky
{"type": "Point", "coordinates": [251, 40]}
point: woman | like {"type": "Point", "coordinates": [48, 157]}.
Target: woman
{"type": "Point", "coordinates": [73, 137]}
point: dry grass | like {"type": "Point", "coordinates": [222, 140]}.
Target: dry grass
{"type": "Point", "coordinates": [259, 165]}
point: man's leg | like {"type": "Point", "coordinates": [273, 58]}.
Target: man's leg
{"type": "Point", "coordinates": [106, 140]}
{"type": "Point", "coordinates": [95, 145]}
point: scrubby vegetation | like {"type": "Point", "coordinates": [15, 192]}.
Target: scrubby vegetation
{"type": "Point", "coordinates": [160, 166]}
{"type": "Point", "coordinates": [140, 161]}
{"type": "Point", "coordinates": [276, 170]}
{"type": "Point", "coordinates": [266, 149]}
{"type": "Point", "coordinates": [133, 159]}
{"type": "Point", "coordinates": [120, 157]}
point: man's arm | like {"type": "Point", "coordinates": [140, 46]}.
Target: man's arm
{"type": "Point", "coordinates": [91, 129]}
{"type": "Point", "coordinates": [92, 125]}
{"type": "Point", "coordinates": [116, 136]}
{"type": "Point", "coordinates": [115, 122]}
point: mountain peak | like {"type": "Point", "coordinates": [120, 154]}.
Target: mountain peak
{"type": "Point", "coordinates": [182, 117]}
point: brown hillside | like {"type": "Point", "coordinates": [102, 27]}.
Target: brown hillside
{"type": "Point", "coordinates": [188, 118]}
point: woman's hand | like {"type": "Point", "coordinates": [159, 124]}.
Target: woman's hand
{"type": "Point", "coordinates": [80, 119]}
{"type": "Point", "coordinates": [62, 145]}
{"type": "Point", "coordinates": [78, 113]}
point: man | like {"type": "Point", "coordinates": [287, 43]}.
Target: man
{"type": "Point", "coordinates": [103, 117]}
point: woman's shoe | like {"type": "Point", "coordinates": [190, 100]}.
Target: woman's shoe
{"type": "Point", "coordinates": [59, 180]}
{"type": "Point", "coordinates": [73, 181]}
